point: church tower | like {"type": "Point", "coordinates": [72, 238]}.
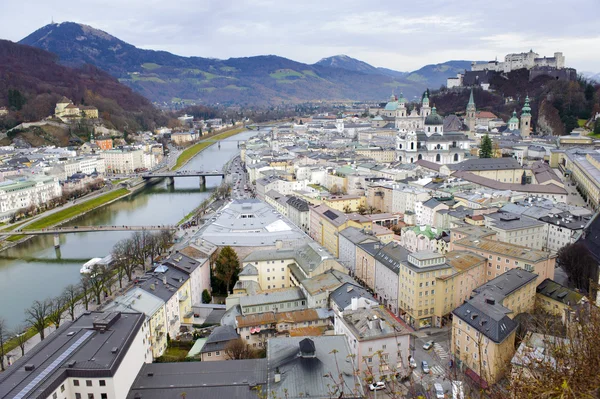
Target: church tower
{"type": "Point", "coordinates": [526, 119]}
{"type": "Point", "coordinates": [513, 122]}
{"type": "Point", "coordinates": [401, 106]}
{"type": "Point", "coordinates": [425, 110]}
{"type": "Point", "coordinates": [470, 117]}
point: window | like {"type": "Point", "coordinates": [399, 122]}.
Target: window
{"type": "Point", "coordinates": [103, 396]}
{"type": "Point", "coordinates": [209, 354]}
{"type": "Point", "coordinates": [54, 395]}
{"type": "Point", "coordinates": [383, 346]}
{"type": "Point", "coordinates": [77, 395]}
{"type": "Point", "coordinates": [76, 383]}
{"type": "Point", "coordinates": [88, 383]}
{"type": "Point", "coordinates": [102, 383]}
{"type": "Point", "coordinates": [90, 396]}
{"type": "Point", "coordinates": [283, 277]}
{"type": "Point", "coordinates": [62, 388]}
{"type": "Point", "coordinates": [218, 353]}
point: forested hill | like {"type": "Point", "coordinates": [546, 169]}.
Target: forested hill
{"type": "Point", "coordinates": [36, 81]}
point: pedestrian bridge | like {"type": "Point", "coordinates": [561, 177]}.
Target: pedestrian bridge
{"type": "Point", "coordinates": [171, 175]}
{"type": "Point", "coordinates": [84, 229]}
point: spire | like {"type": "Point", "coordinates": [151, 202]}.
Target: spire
{"type": "Point", "coordinates": [471, 100]}
{"type": "Point", "coordinates": [526, 108]}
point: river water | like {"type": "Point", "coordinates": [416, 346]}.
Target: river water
{"type": "Point", "coordinates": [34, 270]}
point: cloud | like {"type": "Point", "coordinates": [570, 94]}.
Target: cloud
{"type": "Point", "coordinates": [398, 35]}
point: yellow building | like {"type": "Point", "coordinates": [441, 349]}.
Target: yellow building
{"type": "Point", "coordinates": [483, 329]}
{"type": "Point", "coordinates": [468, 273]}
{"type": "Point", "coordinates": [345, 203]}
{"type": "Point", "coordinates": [557, 299]}
{"type": "Point", "coordinates": [378, 154]}
{"type": "Point", "coordinates": [326, 224]}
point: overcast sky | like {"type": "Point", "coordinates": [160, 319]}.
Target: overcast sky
{"type": "Point", "coordinates": [402, 35]}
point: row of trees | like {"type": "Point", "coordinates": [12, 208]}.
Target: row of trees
{"type": "Point", "coordinates": [129, 255]}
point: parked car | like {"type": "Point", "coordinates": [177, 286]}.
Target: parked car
{"type": "Point", "coordinates": [425, 367]}
{"type": "Point", "coordinates": [439, 390]}
{"type": "Point", "coordinates": [428, 345]}
{"type": "Point", "coordinates": [412, 362]}
{"type": "Point", "coordinates": [376, 386]}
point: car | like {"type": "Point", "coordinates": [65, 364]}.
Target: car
{"type": "Point", "coordinates": [439, 390]}
{"type": "Point", "coordinates": [428, 345]}
{"type": "Point", "coordinates": [376, 386]}
{"type": "Point", "coordinates": [425, 367]}
{"type": "Point", "coordinates": [412, 362]}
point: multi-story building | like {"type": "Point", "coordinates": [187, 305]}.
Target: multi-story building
{"type": "Point", "coordinates": [87, 165]}
{"type": "Point", "coordinates": [379, 343]}
{"type": "Point", "coordinates": [173, 287]}
{"type": "Point", "coordinates": [514, 229]}
{"type": "Point", "coordinates": [421, 238]}
{"type": "Point", "coordinates": [214, 349]}
{"type": "Point", "coordinates": [404, 197]}
{"type": "Point", "coordinates": [388, 261]}
{"type": "Point", "coordinates": [196, 267]}
{"type": "Point", "coordinates": [125, 160]}
{"type": "Point", "coordinates": [515, 61]}
{"type": "Point", "coordinates": [351, 297]}
{"type": "Point", "coordinates": [426, 212]}
{"type": "Point", "coordinates": [349, 238]}
{"type": "Point", "coordinates": [563, 229]}
{"type": "Point", "coordinates": [298, 212]}
{"type": "Point", "coordinates": [344, 203]}
{"type": "Point", "coordinates": [483, 329]}
{"type": "Point", "coordinates": [96, 356]}
{"type": "Point", "coordinates": [326, 224]}
{"type": "Point", "coordinates": [365, 262]}
{"type": "Point", "coordinates": [584, 169]}
{"type": "Point", "coordinates": [138, 300]}
{"type": "Point", "coordinates": [503, 256]}
{"type": "Point", "coordinates": [285, 299]}
{"type": "Point", "coordinates": [557, 299]}
{"type": "Point", "coordinates": [24, 192]}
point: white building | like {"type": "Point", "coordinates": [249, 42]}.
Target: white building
{"type": "Point", "coordinates": [21, 193]}
{"type": "Point", "coordinates": [563, 229]}
{"type": "Point", "coordinates": [527, 60]}
{"type": "Point", "coordinates": [123, 160]}
{"type": "Point", "coordinates": [404, 197]}
{"type": "Point", "coordinates": [87, 165]}
{"type": "Point", "coordinates": [96, 356]}
{"type": "Point", "coordinates": [516, 229]}
{"type": "Point", "coordinates": [380, 344]}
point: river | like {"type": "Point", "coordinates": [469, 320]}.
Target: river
{"type": "Point", "coordinates": [34, 271]}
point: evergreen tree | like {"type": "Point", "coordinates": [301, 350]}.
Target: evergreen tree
{"type": "Point", "coordinates": [227, 267]}
{"type": "Point", "coordinates": [597, 127]}
{"type": "Point", "coordinates": [486, 147]}
{"type": "Point", "coordinates": [206, 298]}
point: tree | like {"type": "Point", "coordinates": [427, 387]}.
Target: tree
{"type": "Point", "coordinates": [361, 209]}
{"type": "Point", "coordinates": [371, 209]}
{"type": "Point", "coordinates": [206, 298]}
{"type": "Point", "coordinates": [579, 264]}
{"type": "Point", "coordinates": [71, 296]}
{"type": "Point", "coordinates": [56, 310]}
{"type": "Point", "coordinates": [4, 336]}
{"type": "Point", "coordinates": [123, 254]}
{"type": "Point", "coordinates": [486, 147]}
{"type": "Point", "coordinates": [237, 349]}
{"type": "Point", "coordinates": [96, 282]}
{"type": "Point", "coordinates": [20, 334]}
{"type": "Point", "coordinates": [227, 267]}
{"type": "Point", "coordinates": [347, 208]}
{"type": "Point", "coordinates": [37, 315]}
{"type": "Point", "coordinates": [597, 127]}
{"type": "Point", "coordinates": [85, 291]}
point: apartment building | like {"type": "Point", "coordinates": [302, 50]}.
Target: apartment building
{"type": "Point", "coordinates": [96, 356]}
{"type": "Point", "coordinates": [426, 211]}
{"type": "Point", "coordinates": [298, 212]}
{"type": "Point", "coordinates": [22, 193]}
{"type": "Point", "coordinates": [467, 273]}
{"type": "Point", "coordinates": [285, 299]}
{"type": "Point", "coordinates": [404, 197]}
{"type": "Point", "coordinates": [515, 229]}
{"type": "Point", "coordinates": [125, 160]}
{"type": "Point", "coordinates": [483, 329]}
{"type": "Point", "coordinates": [503, 256]}
{"type": "Point", "coordinates": [557, 299]}
{"type": "Point", "coordinates": [379, 343]}
{"type": "Point", "coordinates": [344, 203]}
{"type": "Point", "coordinates": [216, 343]}
{"type": "Point", "coordinates": [388, 261]}
{"type": "Point", "coordinates": [326, 224]}
{"type": "Point", "coordinates": [365, 262]}
{"type": "Point", "coordinates": [563, 229]}
{"type": "Point", "coordinates": [349, 238]}
{"type": "Point", "coordinates": [351, 297]}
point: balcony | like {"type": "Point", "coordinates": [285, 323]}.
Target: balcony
{"type": "Point", "coordinates": [183, 297]}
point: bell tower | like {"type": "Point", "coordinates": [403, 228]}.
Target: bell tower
{"type": "Point", "coordinates": [470, 117]}
{"type": "Point", "coordinates": [526, 119]}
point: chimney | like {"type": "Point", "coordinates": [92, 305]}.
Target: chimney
{"type": "Point", "coordinates": [370, 324]}
{"type": "Point", "coordinates": [354, 303]}
{"type": "Point", "coordinates": [278, 244]}
{"type": "Point", "coordinates": [277, 374]}
{"type": "Point", "coordinates": [490, 301]}
{"type": "Point", "coordinates": [164, 279]}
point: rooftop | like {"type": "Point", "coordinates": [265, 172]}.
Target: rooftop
{"type": "Point", "coordinates": [216, 380]}
{"type": "Point", "coordinates": [77, 348]}
{"type": "Point", "coordinates": [558, 292]}
{"type": "Point", "coordinates": [505, 249]}
{"type": "Point", "coordinates": [277, 296]}
{"type": "Point", "coordinates": [373, 323]}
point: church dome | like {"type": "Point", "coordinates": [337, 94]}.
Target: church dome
{"type": "Point", "coordinates": [513, 119]}
{"type": "Point", "coordinates": [391, 106]}
{"type": "Point", "coordinates": [434, 118]}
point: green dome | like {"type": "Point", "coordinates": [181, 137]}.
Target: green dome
{"type": "Point", "coordinates": [514, 118]}
{"type": "Point", "coordinates": [433, 118]}
{"type": "Point", "coordinates": [526, 107]}
{"type": "Point", "coordinates": [401, 100]}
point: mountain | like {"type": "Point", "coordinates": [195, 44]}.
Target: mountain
{"type": "Point", "coordinates": [591, 75]}
{"type": "Point", "coordinates": [351, 64]}
{"type": "Point", "coordinates": [162, 76]}
{"type": "Point", "coordinates": [435, 75]}
{"type": "Point", "coordinates": [42, 81]}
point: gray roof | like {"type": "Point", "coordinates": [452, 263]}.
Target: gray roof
{"type": "Point", "coordinates": [182, 262]}
{"type": "Point", "coordinates": [370, 247]}
{"type": "Point", "coordinates": [511, 221]}
{"type": "Point", "coordinates": [485, 311]}
{"type": "Point", "coordinates": [325, 282]}
{"type": "Point", "coordinates": [344, 294]}
{"type": "Point", "coordinates": [568, 220]}
{"type": "Point", "coordinates": [356, 235]}
{"type": "Point", "coordinates": [154, 282]}
{"type": "Point", "coordinates": [308, 257]}
{"type": "Point", "coordinates": [215, 380]}
{"type": "Point", "coordinates": [392, 255]}
{"type": "Point", "coordinates": [78, 344]}
{"type": "Point", "coordinates": [558, 292]}
{"type": "Point", "coordinates": [135, 300]}
{"type": "Point", "coordinates": [218, 339]}
{"type": "Point", "coordinates": [249, 270]}
{"type": "Point", "coordinates": [298, 203]}
{"type": "Point", "coordinates": [265, 298]}
{"type": "Point", "coordinates": [373, 323]}
{"type": "Point", "coordinates": [305, 376]}
{"type": "Point", "coordinates": [486, 164]}
{"type": "Point", "coordinates": [431, 203]}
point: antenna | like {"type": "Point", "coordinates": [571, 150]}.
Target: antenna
{"type": "Point", "coordinates": [52, 20]}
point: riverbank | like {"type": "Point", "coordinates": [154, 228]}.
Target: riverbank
{"type": "Point", "coordinates": [69, 213]}
{"type": "Point", "coordinates": [189, 153]}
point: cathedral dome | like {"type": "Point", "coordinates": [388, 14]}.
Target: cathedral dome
{"type": "Point", "coordinates": [434, 118]}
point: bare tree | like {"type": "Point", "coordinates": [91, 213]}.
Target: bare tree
{"type": "Point", "coordinates": [141, 250]}
{"type": "Point", "coordinates": [96, 283]}
{"type": "Point", "coordinates": [4, 336]}
{"type": "Point", "coordinates": [71, 296]}
{"type": "Point", "coordinates": [37, 315]}
{"type": "Point", "coordinates": [124, 257]}
{"type": "Point", "coordinates": [56, 310]}
{"type": "Point", "coordinates": [166, 239]}
{"type": "Point", "coordinates": [20, 334]}
{"type": "Point", "coordinates": [238, 349]}
{"type": "Point", "coordinates": [85, 291]}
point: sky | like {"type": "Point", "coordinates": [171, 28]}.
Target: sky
{"type": "Point", "coordinates": [400, 35]}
